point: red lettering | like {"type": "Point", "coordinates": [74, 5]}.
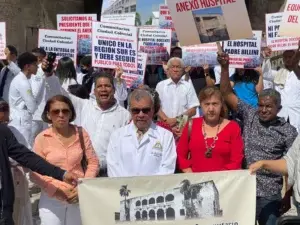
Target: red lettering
{"type": "Point", "coordinates": [196, 4]}
{"type": "Point", "coordinates": [293, 7]}
{"type": "Point", "coordinates": [292, 19]}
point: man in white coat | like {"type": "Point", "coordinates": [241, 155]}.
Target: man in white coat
{"type": "Point", "coordinates": [141, 148]}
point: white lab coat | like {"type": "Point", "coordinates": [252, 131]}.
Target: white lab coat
{"type": "Point", "coordinates": [154, 155]}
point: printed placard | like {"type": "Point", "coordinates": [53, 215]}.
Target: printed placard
{"type": "Point", "coordinates": [244, 53]}
{"type": "Point", "coordinates": [126, 19]}
{"type": "Point", "coordinates": [63, 43]}
{"type": "Point", "coordinates": [156, 43]}
{"type": "Point", "coordinates": [290, 26]}
{"type": "Point", "coordinates": [80, 23]}
{"type": "Point", "coordinates": [200, 55]}
{"type": "Point", "coordinates": [227, 197]}
{"type": "Point", "coordinates": [114, 45]}
{"type": "Point", "coordinates": [135, 78]}
{"type": "Point", "coordinates": [204, 21]}
{"type": "Point", "coordinates": [2, 39]}
{"type": "Point", "coordinates": [166, 22]}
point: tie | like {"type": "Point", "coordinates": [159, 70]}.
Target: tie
{"type": "Point", "coordinates": [3, 82]}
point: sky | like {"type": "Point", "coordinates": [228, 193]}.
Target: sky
{"type": "Point", "coordinates": [146, 7]}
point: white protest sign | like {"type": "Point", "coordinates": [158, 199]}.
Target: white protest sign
{"type": "Point", "coordinates": [126, 19]}
{"type": "Point", "coordinates": [63, 43]}
{"type": "Point", "coordinates": [80, 23]}
{"type": "Point", "coordinates": [114, 45]}
{"type": "Point", "coordinates": [244, 53]}
{"type": "Point", "coordinates": [290, 26]}
{"type": "Point", "coordinates": [204, 21]}
{"type": "Point", "coordinates": [199, 55]}
{"type": "Point", "coordinates": [156, 43]}
{"type": "Point", "coordinates": [2, 39]}
{"type": "Point", "coordinates": [165, 22]}
{"type": "Point", "coordinates": [135, 78]}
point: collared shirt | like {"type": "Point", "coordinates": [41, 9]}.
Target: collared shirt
{"type": "Point", "coordinates": [265, 143]}
{"type": "Point", "coordinates": [176, 98]}
{"type": "Point", "coordinates": [155, 154]}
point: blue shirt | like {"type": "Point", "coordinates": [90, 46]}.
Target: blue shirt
{"type": "Point", "coordinates": [247, 93]}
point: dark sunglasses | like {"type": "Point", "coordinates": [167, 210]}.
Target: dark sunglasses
{"type": "Point", "coordinates": [57, 111]}
{"type": "Point", "coordinates": [137, 110]}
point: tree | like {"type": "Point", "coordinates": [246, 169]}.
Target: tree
{"type": "Point", "coordinates": [124, 192]}
{"type": "Point", "coordinates": [189, 191]}
{"type": "Point", "coordinates": [149, 22]}
{"type": "Point", "coordinates": [138, 21]}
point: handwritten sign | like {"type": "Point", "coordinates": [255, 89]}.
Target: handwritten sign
{"type": "Point", "coordinates": [290, 26]}
{"type": "Point", "coordinates": [114, 45]}
{"type": "Point", "coordinates": [2, 39]}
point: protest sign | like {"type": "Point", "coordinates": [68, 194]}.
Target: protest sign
{"type": "Point", "coordinates": [165, 22]}
{"type": "Point", "coordinates": [156, 43]}
{"type": "Point", "coordinates": [114, 45]}
{"type": "Point", "coordinates": [244, 53]}
{"type": "Point", "coordinates": [126, 19]}
{"type": "Point", "coordinates": [274, 41]}
{"type": "Point", "coordinates": [227, 197]}
{"type": "Point", "coordinates": [199, 55]}
{"type": "Point", "coordinates": [209, 20]}
{"type": "Point", "coordinates": [135, 78]}
{"type": "Point", "coordinates": [2, 39]}
{"type": "Point", "coordinates": [63, 43]}
{"type": "Point", "coordinates": [80, 23]}
{"type": "Point", "coordinates": [290, 26]}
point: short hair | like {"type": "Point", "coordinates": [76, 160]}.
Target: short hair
{"type": "Point", "coordinates": [139, 94]}
{"type": "Point", "coordinates": [26, 58]}
{"type": "Point", "coordinates": [174, 49]}
{"type": "Point", "coordinates": [155, 95]}
{"type": "Point", "coordinates": [66, 69]}
{"type": "Point", "coordinates": [4, 107]}
{"type": "Point", "coordinates": [210, 91]}
{"type": "Point", "coordinates": [12, 49]}
{"type": "Point", "coordinates": [58, 98]}
{"type": "Point", "coordinates": [175, 59]}
{"type": "Point", "coordinates": [270, 92]}
{"type": "Point", "coordinates": [40, 51]}
{"type": "Point", "coordinates": [86, 61]}
{"type": "Point", "coordinates": [104, 75]}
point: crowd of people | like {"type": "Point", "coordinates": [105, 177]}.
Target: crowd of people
{"type": "Point", "coordinates": [86, 121]}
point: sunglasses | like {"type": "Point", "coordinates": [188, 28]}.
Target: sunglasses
{"type": "Point", "coordinates": [137, 110]}
{"type": "Point", "coordinates": [57, 111]}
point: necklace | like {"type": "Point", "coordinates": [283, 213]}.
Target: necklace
{"type": "Point", "coordinates": [208, 153]}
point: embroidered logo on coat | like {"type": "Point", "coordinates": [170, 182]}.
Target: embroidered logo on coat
{"type": "Point", "coordinates": [158, 146]}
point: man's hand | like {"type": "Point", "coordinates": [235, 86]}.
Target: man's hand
{"type": "Point", "coordinates": [285, 203]}
{"type": "Point", "coordinates": [259, 70]}
{"type": "Point", "coordinates": [177, 132]}
{"type": "Point", "coordinates": [171, 121]}
{"type": "Point", "coordinates": [206, 68]}
{"type": "Point", "coordinates": [256, 166]}
{"type": "Point", "coordinates": [188, 170]}
{"type": "Point", "coordinates": [72, 196]}
{"type": "Point", "coordinates": [267, 52]}
{"type": "Point", "coordinates": [118, 72]}
{"type": "Point", "coordinates": [45, 65]}
{"type": "Point", "coordinates": [71, 178]}
{"type": "Point", "coordinates": [223, 59]}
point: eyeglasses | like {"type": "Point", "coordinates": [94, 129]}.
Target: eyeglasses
{"type": "Point", "coordinates": [137, 110]}
{"type": "Point", "coordinates": [175, 67]}
{"type": "Point", "coordinates": [57, 111]}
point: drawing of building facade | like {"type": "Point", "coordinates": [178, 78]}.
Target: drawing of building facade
{"type": "Point", "coordinates": [120, 7]}
{"type": "Point", "coordinates": [172, 205]}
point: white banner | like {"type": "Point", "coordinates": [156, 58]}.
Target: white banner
{"type": "Point", "coordinates": [126, 19]}
{"type": "Point", "coordinates": [63, 43]}
{"type": "Point", "coordinates": [114, 45]}
{"type": "Point", "coordinates": [227, 197]}
{"type": "Point", "coordinates": [2, 39]}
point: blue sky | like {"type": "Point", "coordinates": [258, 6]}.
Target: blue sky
{"type": "Point", "coordinates": [215, 10]}
{"type": "Point", "coordinates": [146, 7]}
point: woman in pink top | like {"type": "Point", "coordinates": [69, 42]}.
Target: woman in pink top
{"type": "Point", "coordinates": [60, 145]}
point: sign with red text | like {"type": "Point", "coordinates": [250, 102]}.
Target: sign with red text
{"type": "Point", "coordinates": [290, 25]}
{"type": "Point", "coordinates": [2, 39]}
{"type": "Point", "coordinates": [80, 23]}
{"type": "Point", "coordinates": [204, 21]}
{"type": "Point", "coordinates": [135, 78]}
{"type": "Point", "coordinates": [156, 43]}
{"type": "Point", "coordinates": [199, 55]}
{"type": "Point", "coordinates": [63, 43]}
{"type": "Point", "coordinates": [274, 41]}
{"type": "Point", "coordinates": [165, 22]}
{"type": "Point", "coordinates": [244, 53]}
{"type": "Point", "coordinates": [126, 18]}
{"type": "Point", "coordinates": [114, 45]}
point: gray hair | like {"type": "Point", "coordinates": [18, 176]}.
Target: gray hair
{"type": "Point", "coordinates": [272, 93]}
{"type": "Point", "coordinates": [139, 94]}
{"type": "Point", "coordinates": [170, 62]}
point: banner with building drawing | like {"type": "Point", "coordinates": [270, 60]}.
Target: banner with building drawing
{"type": "Point", "coordinates": [290, 24]}
{"type": "Point", "coordinates": [244, 53]}
{"type": "Point", "coordinates": [227, 197]}
{"type": "Point", "coordinates": [2, 39]}
{"type": "Point", "coordinates": [199, 55]}
{"type": "Point", "coordinates": [80, 23]}
{"type": "Point", "coordinates": [156, 43]}
{"type": "Point", "coordinates": [166, 22]}
{"type": "Point", "coordinates": [135, 78]}
{"type": "Point", "coordinates": [274, 41]}
{"type": "Point", "coordinates": [203, 21]}
{"type": "Point", "coordinates": [114, 45]}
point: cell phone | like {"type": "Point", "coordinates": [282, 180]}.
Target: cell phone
{"type": "Point", "coordinates": [51, 57]}
{"type": "Point", "coordinates": [289, 220]}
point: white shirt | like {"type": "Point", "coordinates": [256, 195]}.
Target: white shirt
{"type": "Point", "coordinates": [98, 123]}
{"type": "Point", "coordinates": [80, 77]}
{"type": "Point", "coordinates": [13, 71]}
{"type": "Point", "coordinates": [217, 71]}
{"type": "Point", "coordinates": [67, 83]}
{"type": "Point", "coordinates": [154, 155]}
{"type": "Point", "coordinates": [176, 98]}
